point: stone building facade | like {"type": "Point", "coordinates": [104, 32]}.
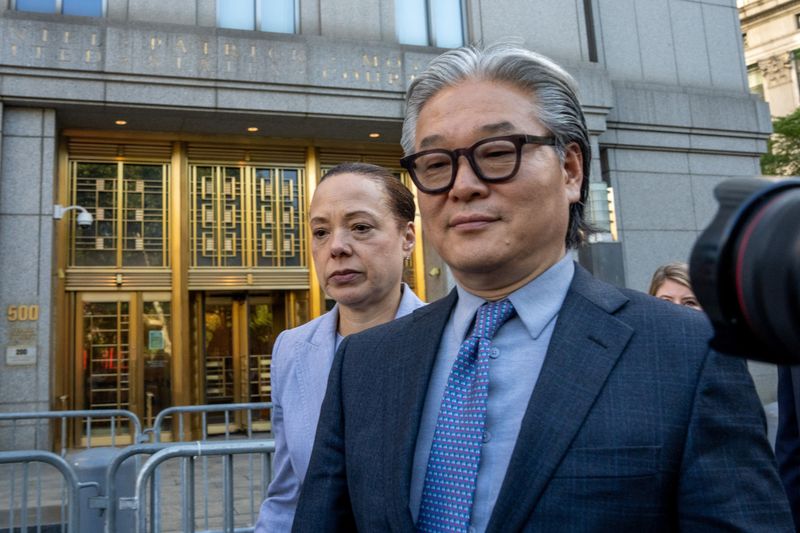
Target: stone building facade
{"type": "Point", "coordinates": [771, 37]}
{"type": "Point", "coordinates": [195, 139]}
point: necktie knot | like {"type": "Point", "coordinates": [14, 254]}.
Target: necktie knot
{"type": "Point", "coordinates": [490, 317]}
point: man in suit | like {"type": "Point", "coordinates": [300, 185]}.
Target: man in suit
{"type": "Point", "coordinates": [533, 397]}
{"type": "Point", "coordinates": [787, 440]}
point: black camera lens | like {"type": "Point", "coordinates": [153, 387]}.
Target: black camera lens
{"type": "Point", "coordinates": [745, 270]}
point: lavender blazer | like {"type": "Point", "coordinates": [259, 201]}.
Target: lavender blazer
{"type": "Point", "coordinates": [301, 362]}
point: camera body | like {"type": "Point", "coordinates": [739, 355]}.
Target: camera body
{"type": "Point", "coordinates": [745, 270]}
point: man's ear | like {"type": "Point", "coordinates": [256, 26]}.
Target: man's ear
{"type": "Point", "coordinates": [573, 172]}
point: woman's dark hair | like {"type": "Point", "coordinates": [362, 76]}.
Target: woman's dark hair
{"type": "Point", "coordinates": [399, 199]}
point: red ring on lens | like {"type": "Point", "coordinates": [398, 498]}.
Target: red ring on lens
{"type": "Point", "coordinates": [742, 249]}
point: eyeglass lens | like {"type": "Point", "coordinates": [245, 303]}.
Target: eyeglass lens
{"type": "Point", "coordinates": [495, 159]}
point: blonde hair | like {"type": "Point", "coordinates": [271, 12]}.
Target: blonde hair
{"type": "Point", "coordinates": [677, 272]}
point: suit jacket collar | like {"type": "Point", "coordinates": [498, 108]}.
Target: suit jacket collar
{"type": "Point", "coordinates": [585, 346]}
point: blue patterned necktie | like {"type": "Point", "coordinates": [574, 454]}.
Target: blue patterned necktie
{"type": "Point", "coordinates": [449, 488]}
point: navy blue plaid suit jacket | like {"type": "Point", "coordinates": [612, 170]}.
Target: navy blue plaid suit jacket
{"type": "Point", "coordinates": [634, 425]}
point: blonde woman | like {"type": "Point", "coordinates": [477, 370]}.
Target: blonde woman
{"type": "Point", "coordinates": [671, 282]}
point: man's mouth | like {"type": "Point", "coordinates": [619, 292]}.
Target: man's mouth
{"type": "Point", "coordinates": [471, 221]}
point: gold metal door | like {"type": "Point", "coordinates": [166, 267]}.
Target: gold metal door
{"type": "Point", "coordinates": [219, 350]}
{"type": "Point", "coordinates": [123, 359]}
{"type": "Point", "coordinates": [239, 333]}
{"type": "Point", "coordinates": [154, 368]}
{"type": "Point", "coordinates": [265, 319]}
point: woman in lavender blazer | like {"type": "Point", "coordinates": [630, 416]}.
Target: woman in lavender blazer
{"type": "Point", "coordinates": [362, 231]}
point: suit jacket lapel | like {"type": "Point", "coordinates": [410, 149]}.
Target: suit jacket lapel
{"type": "Point", "coordinates": [313, 358]}
{"type": "Point", "coordinates": [408, 370]}
{"type": "Point", "coordinates": [795, 373]}
{"type": "Point", "coordinates": [586, 343]}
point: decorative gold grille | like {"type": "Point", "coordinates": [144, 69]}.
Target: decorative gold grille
{"type": "Point", "coordinates": [248, 216]}
{"type": "Point", "coordinates": [128, 202]}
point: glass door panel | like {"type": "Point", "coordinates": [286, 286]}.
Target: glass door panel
{"type": "Point", "coordinates": [219, 355]}
{"type": "Point", "coordinates": [124, 359]}
{"type": "Point", "coordinates": [266, 318]}
{"type": "Point", "coordinates": [105, 360]}
{"type": "Point", "coordinates": [156, 357]}
{"type": "Point", "coordinates": [236, 352]}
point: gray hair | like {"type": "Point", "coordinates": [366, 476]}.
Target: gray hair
{"type": "Point", "coordinates": [554, 99]}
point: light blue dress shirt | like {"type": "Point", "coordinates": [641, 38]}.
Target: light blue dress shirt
{"type": "Point", "coordinates": [518, 351]}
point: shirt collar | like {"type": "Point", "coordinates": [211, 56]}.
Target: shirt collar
{"type": "Point", "coordinates": [537, 302]}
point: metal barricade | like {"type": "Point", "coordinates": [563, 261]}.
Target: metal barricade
{"type": "Point", "coordinates": [109, 501]}
{"type": "Point", "coordinates": [71, 485]}
{"type": "Point", "coordinates": [178, 415]}
{"type": "Point", "coordinates": [188, 452]}
{"type": "Point", "coordinates": [195, 493]}
{"type": "Point", "coordinates": [179, 412]}
{"type": "Point", "coordinates": [83, 462]}
{"type": "Point", "coordinates": [114, 415]}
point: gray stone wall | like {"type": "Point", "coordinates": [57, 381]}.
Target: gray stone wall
{"type": "Point", "coordinates": [668, 148]}
{"type": "Point", "coordinates": [557, 29]}
{"type": "Point", "coordinates": [26, 233]}
{"type": "Point", "coordinates": [679, 42]}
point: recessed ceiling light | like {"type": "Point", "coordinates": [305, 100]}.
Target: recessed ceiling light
{"type": "Point", "coordinates": [252, 129]}
{"type": "Point", "coordinates": [374, 135]}
{"type": "Point", "coordinates": [120, 122]}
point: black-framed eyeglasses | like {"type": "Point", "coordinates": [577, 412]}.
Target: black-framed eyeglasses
{"type": "Point", "coordinates": [493, 159]}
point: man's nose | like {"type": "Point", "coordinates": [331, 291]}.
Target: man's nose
{"type": "Point", "coordinates": [467, 184]}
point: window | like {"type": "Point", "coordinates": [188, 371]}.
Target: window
{"type": "Point", "coordinates": [591, 38]}
{"type": "Point", "coordinates": [265, 15]}
{"type": "Point", "coordinates": [248, 216]}
{"type": "Point", "coordinates": [128, 202]}
{"type": "Point", "coordinates": [430, 22]}
{"type": "Point", "coordinates": [797, 20]}
{"type": "Point", "coordinates": [83, 8]}
{"type": "Point", "coordinates": [755, 80]}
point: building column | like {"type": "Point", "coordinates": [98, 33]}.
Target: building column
{"type": "Point", "coordinates": [27, 178]}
